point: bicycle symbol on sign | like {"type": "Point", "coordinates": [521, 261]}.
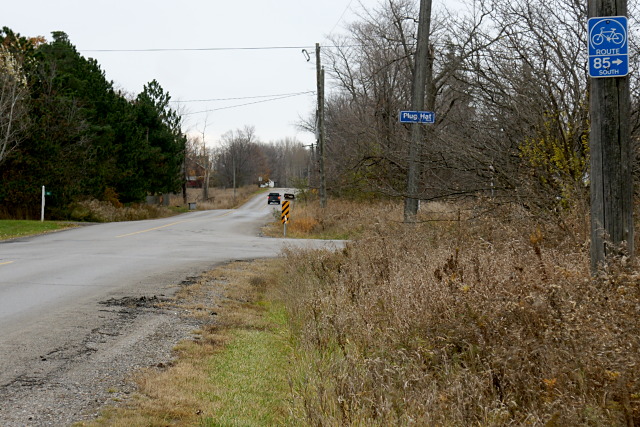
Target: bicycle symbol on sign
{"type": "Point", "coordinates": [609, 35]}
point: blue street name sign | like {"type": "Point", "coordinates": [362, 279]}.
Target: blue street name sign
{"type": "Point", "coordinates": [608, 46]}
{"type": "Point", "coordinates": [417, 117]}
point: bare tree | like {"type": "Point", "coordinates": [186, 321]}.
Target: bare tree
{"type": "Point", "coordinates": [508, 85]}
{"type": "Point", "coordinates": [239, 160]}
{"type": "Point", "coordinates": [288, 161]}
{"type": "Point", "coordinates": [530, 94]}
{"type": "Point", "coordinates": [13, 102]}
{"type": "Point", "coordinates": [374, 74]}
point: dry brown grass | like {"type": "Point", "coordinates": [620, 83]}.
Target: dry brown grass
{"type": "Point", "coordinates": [341, 219]}
{"type": "Point", "coordinates": [490, 320]}
{"type": "Point", "coordinates": [219, 198]}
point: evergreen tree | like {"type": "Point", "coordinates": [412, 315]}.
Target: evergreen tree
{"type": "Point", "coordinates": [87, 141]}
{"type": "Point", "coordinates": [164, 139]}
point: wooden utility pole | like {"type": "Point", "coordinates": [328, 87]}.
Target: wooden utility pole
{"type": "Point", "coordinates": [609, 140]}
{"type": "Point", "coordinates": [320, 125]}
{"type": "Point", "coordinates": [417, 104]}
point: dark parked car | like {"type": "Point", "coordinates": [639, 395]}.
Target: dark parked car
{"type": "Point", "coordinates": [273, 198]}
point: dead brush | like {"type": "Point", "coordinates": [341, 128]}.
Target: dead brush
{"type": "Point", "coordinates": [489, 324]}
{"type": "Point", "coordinates": [343, 219]}
{"type": "Point", "coordinates": [100, 211]}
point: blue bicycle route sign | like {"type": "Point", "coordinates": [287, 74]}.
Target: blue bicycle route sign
{"type": "Point", "coordinates": [608, 46]}
{"type": "Point", "coordinates": [417, 117]}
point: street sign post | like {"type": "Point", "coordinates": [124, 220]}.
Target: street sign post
{"type": "Point", "coordinates": [608, 46]}
{"type": "Point", "coordinates": [417, 117]}
{"type": "Point", "coordinates": [44, 193]}
{"type": "Point", "coordinates": [285, 215]}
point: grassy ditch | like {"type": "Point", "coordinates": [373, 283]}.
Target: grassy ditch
{"type": "Point", "coordinates": [10, 229]}
{"type": "Point", "coordinates": [235, 370]}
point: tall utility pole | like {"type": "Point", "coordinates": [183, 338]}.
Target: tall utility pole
{"type": "Point", "coordinates": [320, 124]}
{"type": "Point", "coordinates": [609, 141]}
{"type": "Point", "coordinates": [417, 104]}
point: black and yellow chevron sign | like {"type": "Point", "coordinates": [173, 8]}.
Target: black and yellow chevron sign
{"type": "Point", "coordinates": [285, 212]}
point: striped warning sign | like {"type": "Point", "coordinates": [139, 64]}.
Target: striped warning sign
{"type": "Point", "coordinates": [285, 212]}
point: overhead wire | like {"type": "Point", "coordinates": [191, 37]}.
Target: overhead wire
{"type": "Point", "coordinates": [340, 19]}
{"type": "Point", "coordinates": [244, 97]}
{"type": "Point", "coordinates": [202, 49]}
{"type": "Point", "coordinates": [248, 103]}
{"type": "Point", "coordinates": [237, 48]}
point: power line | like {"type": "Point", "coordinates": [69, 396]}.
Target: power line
{"type": "Point", "coordinates": [204, 49]}
{"type": "Point", "coordinates": [248, 103]}
{"type": "Point", "coordinates": [340, 19]}
{"type": "Point", "coordinates": [196, 49]}
{"type": "Point", "coordinates": [246, 97]}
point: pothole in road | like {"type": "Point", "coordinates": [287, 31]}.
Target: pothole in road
{"type": "Point", "coordinates": [143, 301]}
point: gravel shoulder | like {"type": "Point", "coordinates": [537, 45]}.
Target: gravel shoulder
{"type": "Point", "coordinates": [68, 375]}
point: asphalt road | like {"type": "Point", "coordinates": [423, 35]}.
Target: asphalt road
{"type": "Point", "coordinates": [51, 285]}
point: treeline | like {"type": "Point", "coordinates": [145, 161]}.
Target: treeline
{"type": "Point", "coordinates": [64, 125]}
{"type": "Point", "coordinates": [508, 82]}
{"type": "Point", "coordinates": [241, 158]}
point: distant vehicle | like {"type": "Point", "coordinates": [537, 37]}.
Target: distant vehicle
{"type": "Point", "coordinates": [289, 196]}
{"type": "Point", "coordinates": [273, 198]}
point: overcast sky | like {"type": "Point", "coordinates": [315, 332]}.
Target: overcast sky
{"type": "Point", "coordinates": [249, 75]}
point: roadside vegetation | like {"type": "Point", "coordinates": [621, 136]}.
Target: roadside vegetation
{"type": "Point", "coordinates": [479, 314]}
{"type": "Point", "coordinates": [93, 210]}
{"type": "Point", "coordinates": [344, 219]}
{"type": "Point", "coordinates": [476, 318]}
{"type": "Point", "coordinates": [217, 198]}
{"type": "Point", "coordinates": [10, 229]}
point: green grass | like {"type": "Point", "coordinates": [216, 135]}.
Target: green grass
{"type": "Point", "coordinates": [10, 229]}
{"type": "Point", "coordinates": [248, 379]}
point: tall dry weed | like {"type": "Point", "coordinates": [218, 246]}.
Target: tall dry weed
{"type": "Point", "coordinates": [101, 211]}
{"type": "Point", "coordinates": [488, 320]}
{"type": "Point", "coordinates": [342, 219]}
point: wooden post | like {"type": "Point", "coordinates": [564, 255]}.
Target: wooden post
{"type": "Point", "coordinates": [417, 104]}
{"type": "Point", "coordinates": [320, 124]}
{"type": "Point", "coordinates": [609, 139]}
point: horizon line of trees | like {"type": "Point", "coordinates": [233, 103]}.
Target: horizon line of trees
{"type": "Point", "coordinates": [242, 159]}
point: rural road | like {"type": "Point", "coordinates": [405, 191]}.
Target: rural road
{"type": "Point", "coordinates": [54, 325]}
